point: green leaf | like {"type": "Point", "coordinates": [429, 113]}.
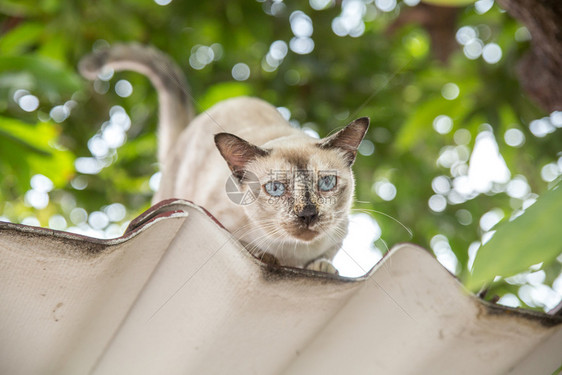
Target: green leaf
{"type": "Point", "coordinates": [55, 47]}
{"type": "Point", "coordinates": [25, 8]}
{"type": "Point", "coordinates": [48, 77]}
{"type": "Point", "coordinates": [20, 38]}
{"type": "Point", "coordinates": [35, 145]}
{"type": "Point", "coordinates": [533, 237]}
{"type": "Point", "coordinates": [419, 126]}
{"type": "Point", "coordinates": [222, 91]}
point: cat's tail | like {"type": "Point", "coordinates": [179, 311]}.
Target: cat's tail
{"type": "Point", "coordinates": [175, 105]}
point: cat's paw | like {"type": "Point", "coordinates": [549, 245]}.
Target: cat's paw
{"type": "Point", "coordinates": [322, 265]}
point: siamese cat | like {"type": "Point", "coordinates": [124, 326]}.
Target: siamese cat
{"type": "Point", "coordinates": [297, 190]}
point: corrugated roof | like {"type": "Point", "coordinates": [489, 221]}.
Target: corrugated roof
{"type": "Point", "coordinates": [178, 295]}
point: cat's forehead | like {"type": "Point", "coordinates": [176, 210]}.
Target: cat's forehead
{"type": "Point", "coordinates": [309, 157]}
{"type": "Point", "coordinates": [307, 163]}
{"type": "Point", "coordinates": [294, 159]}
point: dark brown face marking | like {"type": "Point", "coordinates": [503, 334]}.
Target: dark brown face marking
{"type": "Point", "coordinates": [308, 215]}
{"type": "Point", "coordinates": [298, 161]}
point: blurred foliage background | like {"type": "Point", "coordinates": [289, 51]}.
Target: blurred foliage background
{"type": "Point", "coordinates": [455, 146]}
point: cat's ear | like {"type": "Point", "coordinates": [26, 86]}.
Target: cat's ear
{"type": "Point", "coordinates": [237, 152]}
{"type": "Point", "coordinates": [348, 139]}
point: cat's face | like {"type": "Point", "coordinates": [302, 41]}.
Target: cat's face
{"type": "Point", "coordinates": [306, 184]}
{"type": "Point", "coordinates": [305, 191]}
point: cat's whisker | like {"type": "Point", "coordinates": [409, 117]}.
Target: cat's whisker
{"type": "Point", "coordinates": [256, 245]}
{"type": "Point", "coordinates": [263, 223]}
{"type": "Point", "coordinates": [256, 229]}
{"type": "Point", "coordinates": [343, 234]}
{"type": "Point", "coordinates": [258, 239]}
{"type": "Point", "coordinates": [274, 235]}
{"type": "Point", "coordinates": [367, 211]}
{"type": "Point", "coordinates": [388, 264]}
{"type": "Point", "coordinates": [327, 233]}
{"type": "Point", "coordinates": [271, 244]}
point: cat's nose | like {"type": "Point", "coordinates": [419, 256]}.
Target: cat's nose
{"type": "Point", "coordinates": [308, 215]}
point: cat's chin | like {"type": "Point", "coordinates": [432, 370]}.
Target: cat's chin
{"type": "Point", "coordinates": [304, 234]}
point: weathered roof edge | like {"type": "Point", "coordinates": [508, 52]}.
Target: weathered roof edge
{"type": "Point", "coordinates": [178, 208]}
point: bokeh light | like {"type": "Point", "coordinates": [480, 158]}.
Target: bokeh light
{"type": "Point", "coordinates": [366, 148]}
{"type": "Point", "coordinates": [443, 124]}
{"type": "Point", "coordinates": [491, 53]}
{"type": "Point", "coordinates": [321, 4]}
{"type": "Point", "coordinates": [483, 6]}
{"type": "Point", "coordinates": [386, 5]}
{"type": "Point", "coordinates": [550, 172]}
{"type": "Point", "coordinates": [444, 254]}
{"type": "Point", "coordinates": [464, 216]}
{"type": "Point", "coordinates": [518, 187]}
{"type": "Point", "coordinates": [514, 137]}
{"type": "Point", "coordinates": [450, 91]}
{"type": "Point", "coordinates": [441, 185]}
{"type": "Point", "coordinates": [350, 21]}
{"type": "Point", "coordinates": [57, 222]}
{"type": "Point", "coordinates": [437, 203]}
{"type": "Point", "coordinates": [154, 182]}
{"type": "Point", "coordinates": [385, 189]}
{"type": "Point", "coordinates": [462, 137]}
{"type": "Point", "coordinates": [123, 88]}
{"type": "Point", "coordinates": [490, 219]}
{"type": "Point", "coordinates": [28, 102]}
{"type": "Point", "coordinates": [541, 127]}
{"type": "Point", "coordinates": [241, 72]}
{"type": "Point", "coordinates": [301, 25]}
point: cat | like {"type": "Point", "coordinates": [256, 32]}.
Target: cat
{"type": "Point", "coordinates": [291, 194]}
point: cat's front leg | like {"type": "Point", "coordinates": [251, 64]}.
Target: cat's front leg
{"type": "Point", "coordinates": [322, 265]}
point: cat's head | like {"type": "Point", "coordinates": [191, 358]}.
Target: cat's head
{"type": "Point", "coordinates": [306, 184]}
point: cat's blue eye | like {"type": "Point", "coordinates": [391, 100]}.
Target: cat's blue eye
{"type": "Point", "coordinates": [327, 183]}
{"type": "Point", "coordinates": [275, 188]}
